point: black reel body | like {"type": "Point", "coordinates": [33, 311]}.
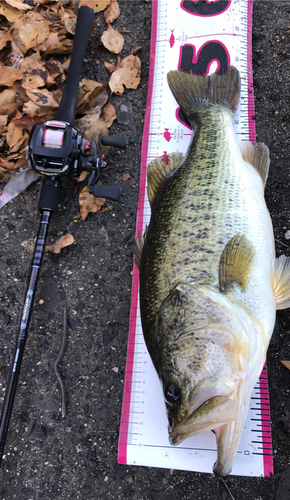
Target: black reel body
{"type": "Point", "coordinates": [54, 148]}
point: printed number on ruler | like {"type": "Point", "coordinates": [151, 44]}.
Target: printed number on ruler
{"type": "Point", "coordinates": [208, 8]}
{"type": "Point", "coordinates": [199, 60]}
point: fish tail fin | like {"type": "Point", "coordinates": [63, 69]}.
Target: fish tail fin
{"type": "Point", "coordinates": [193, 92]}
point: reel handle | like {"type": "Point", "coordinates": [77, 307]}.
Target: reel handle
{"type": "Point", "coordinates": [118, 142]}
{"type": "Point", "coordinates": [67, 107]}
{"type": "Point", "coordinates": [110, 192]}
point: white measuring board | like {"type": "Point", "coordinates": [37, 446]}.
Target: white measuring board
{"type": "Point", "coordinates": [201, 36]}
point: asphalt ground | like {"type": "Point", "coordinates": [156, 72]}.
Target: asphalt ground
{"type": "Point", "coordinates": [75, 457]}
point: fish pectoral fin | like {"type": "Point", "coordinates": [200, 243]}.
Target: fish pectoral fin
{"type": "Point", "coordinates": [158, 171]}
{"type": "Point", "coordinates": [257, 155]}
{"type": "Point", "coordinates": [138, 247]}
{"type": "Point", "coordinates": [280, 282]}
{"type": "Point", "coordinates": [236, 263]}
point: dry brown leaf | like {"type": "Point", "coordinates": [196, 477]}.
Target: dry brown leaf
{"type": "Point", "coordinates": [32, 82]}
{"type": "Point", "coordinates": [8, 75]}
{"type": "Point", "coordinates": [14, 134]}
{"type": "Point", "coordinates": [3, 120]}
{"type": "Point", "coordinates": [69, 14]}
{"type": "Point", "coordinates": [23, 141]}
{"type": "Point", "coordinates": [89, 203]}
{"type": "Point", "coordinates": [32, 109]}
{"type": "Point", "coordinates": [22, 162]}
{"type": "Point", "coordinates": [63, 47]}
{"type": "Point", "coordinates": [111, 67]}
{"type": "Point", "coordinates": [4, 38]}
{"type": "Point", "coordinates": [5, 163]}
{"type": "Point", "coordinates": [112, 12]}
{"type": "Point", "coordinates": [109, 114]}
{"type": "Point", "coordinates": [126, 177]}
{"type": "Point", "coordinates": [112, 40]}
{"type": "Point", "coordinates": [30, 31]}
{"type": "Point", "coordinates": [97, 5]}
{"type": "Point", "coordinates": [18, 4]}
{"type": "Point", "coordinates": [8, 109]}
{"type": "Point", "coordinates": [21, 96]}
{"type": "Point", "coordinates": [5, 175]}
{"type": "Point", "coordinates": [56, 72]}
{"type": "Point", "coordinates": [66, 64]}
{"type": "Point", "coordinates": [27, 122]}
{"type": "Point", "coordinates": [53, 39]}
{"type": "Point", "coordinates": [96, 129]}
{"type": "Point", "coordinates": [70, 25]}
{"type": "Point", "coordinates": [9, 12]}
{"type": "Point", "coordinates": [83, 123]}
{"type": "Point", "coordinates": [81, 177]}
{"type": "Point", "coordinates": [57, 9]}
{"type": "Point", "coordinates": [89, 85]}
{"type": "Point", "coordinates": [41, 2]}
{"type": "Point", "coordinates": [124, 77]}
{"type": "Point", "coordinates": [131, 62]}
{"type": "Point", "coordinates": [286, 363]}
{"type": "Point", "coordinates": [64, 241]}
{"type": "Point", "coordinates": [42, 97]}
{"type": "Point", "coordinates": [8, 95]}
{"type": "Point", "coordinates": [32, 63]}
{"type": "Point", "coordinates": [96, 98]}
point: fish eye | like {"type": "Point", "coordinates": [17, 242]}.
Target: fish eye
{"type": "Point", "coordinates": [172, 394]}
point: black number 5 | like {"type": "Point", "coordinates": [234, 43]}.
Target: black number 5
{"type": "Point", "coordinates": [200, 63]}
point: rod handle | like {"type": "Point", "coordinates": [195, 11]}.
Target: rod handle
{"type": "Point", "coordinates": [67, 107]}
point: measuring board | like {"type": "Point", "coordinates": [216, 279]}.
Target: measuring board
{"type": "Point", "coordinates": [201, 36]}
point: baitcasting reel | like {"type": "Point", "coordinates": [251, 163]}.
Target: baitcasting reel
{"type": "Point", "coordinates": [57, 148]}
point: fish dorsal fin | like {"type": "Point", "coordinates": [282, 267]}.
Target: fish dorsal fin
{"type": "Point", "coordinates": [138, 247]}
{"type": "Point", "coordinates": [281, 282]}
{"type": "Point", "coordinates": [236, 263]}
{"type": "Point", "coordinates": [257, 155]}
{"type": "Point", "coordinates": [158, 170]}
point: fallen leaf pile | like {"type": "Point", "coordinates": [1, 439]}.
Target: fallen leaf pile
{"type": "Point", "coordinates": [32, 78]}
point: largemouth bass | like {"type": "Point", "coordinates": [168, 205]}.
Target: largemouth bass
{"type": "Point", "coordinates": [209, 281]}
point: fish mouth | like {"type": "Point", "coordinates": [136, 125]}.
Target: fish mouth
{"type": "Point", "coordinates": [213, 413]}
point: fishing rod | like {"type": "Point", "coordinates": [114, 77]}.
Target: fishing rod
{"type": "Point", "coordinates": [57, 148]}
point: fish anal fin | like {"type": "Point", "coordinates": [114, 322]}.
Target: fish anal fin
{"type": "Point", "coordinates": [236, 263]}
{"type": "Point", "coordinates": [138, 247]}
{"type": "Point", "coordinates": [158, 171]}
{"type": "Point", "coordinates": [257, 155]}
{"type": "Point", "coordinates": [281, 282]}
